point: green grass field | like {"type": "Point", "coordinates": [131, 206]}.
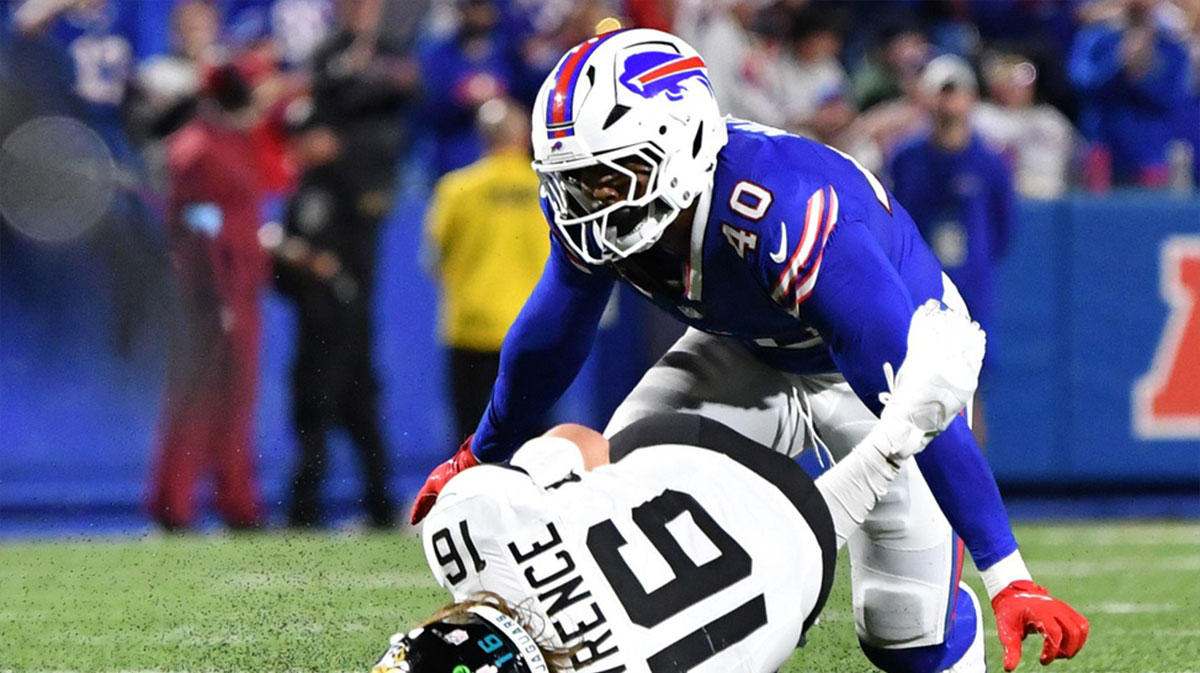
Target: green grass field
{"type": "Point", "coordinates": [277, 602]}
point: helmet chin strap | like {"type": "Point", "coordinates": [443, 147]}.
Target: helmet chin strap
{"type": "Point", "coordinates": [525, 644]}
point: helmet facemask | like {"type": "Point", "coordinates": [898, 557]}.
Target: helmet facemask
{"type": "Point", "coordinates": [632, 213]}
{"type": "Point", "coordinates": [476, 638]}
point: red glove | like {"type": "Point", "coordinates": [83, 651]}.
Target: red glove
{"type": "Point", "coordinates": [438, 478]}
{"type": "Point", "coordinates": [1023, 608]}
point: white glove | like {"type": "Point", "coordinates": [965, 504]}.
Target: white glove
{"type": "Point", "coordinates": [938, 377]}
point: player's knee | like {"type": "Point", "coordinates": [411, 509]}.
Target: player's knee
{"type": "Point", "coordinates": [893, 657]}
{"type": "Point", "coordinates": [894, 616]}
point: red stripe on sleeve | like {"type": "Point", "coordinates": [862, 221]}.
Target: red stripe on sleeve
{"type": "Point", "coordinates": [829, 225]}
{"type": "Point", "coordinates": [817, 202]}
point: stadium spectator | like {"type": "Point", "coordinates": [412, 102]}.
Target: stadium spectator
{"type": "Point", "coordinates": [349, 141]}
{"type": "Point", "coordinates": [486, 245]}
{"type": "Point", "coordinates": [102, 39]}
{"type": "Point", "coordinates": [1036, 138]}
{"type": "Point", "coordinates": [900, 51]}
{"type": "Point", "coordinates": [541, 30]}
{"type": "Point", "coordinates": [363, 81]}
{"type": "Point", "coordinates": [1188, 121]}
{"type": "Point", "coordinates": [167, 84]}
{"type": "Point", "coordinates": [743, 64]}
{"type": "Point", "coordinates": [1042, 32]}
{"type": "Point", "coordinates": [874, 135]}
{"type": "Point", "coordinates": [292, 28]}
{"type": "Point", "coordinates": [462, 70]}
{"type": "Point", "coordinates": [958, 191]}
{"type": "Point", "coordinates": [1131, 73]}
{"type": "Point", "coordinates": [810, 72]}
{"type": "Point", "coordinates": [208, 413]}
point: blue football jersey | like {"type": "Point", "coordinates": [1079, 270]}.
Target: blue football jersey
{"type": "Point", "coordinates": [102, 43]}
{"type": "Point", "coordinates": [777, 199]}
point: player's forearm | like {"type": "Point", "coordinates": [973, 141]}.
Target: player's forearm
{"type": "Point", "coordinates": [853, 486]}
{"type": "Point", "coordinates": [963, 485]}
{"type": "Point", "coordinates": [530, 381]}
{"type": "Point", "coordinates": [544, 350]}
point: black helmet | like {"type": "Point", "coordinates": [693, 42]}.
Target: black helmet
{"type": "Point", "coordinates": [480, 640]}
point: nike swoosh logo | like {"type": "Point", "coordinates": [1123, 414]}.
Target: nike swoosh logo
{"type": "Point", "coordinates": [778, 257]}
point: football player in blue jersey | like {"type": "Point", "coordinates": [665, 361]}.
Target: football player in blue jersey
{"type": "Point", "coordinates": [797, 273]}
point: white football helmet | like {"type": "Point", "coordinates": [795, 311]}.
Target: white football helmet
{"type": "Point", "coordinates": [633, 111]}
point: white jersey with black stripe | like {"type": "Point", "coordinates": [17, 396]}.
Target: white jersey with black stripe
{"type": "Point", "coordinates": [676, 558]}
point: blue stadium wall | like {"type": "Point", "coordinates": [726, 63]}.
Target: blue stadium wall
{"type": "Point", "coordinates": [1081, 317]}
{"type": "Point", "coordinates": [1082, 314]}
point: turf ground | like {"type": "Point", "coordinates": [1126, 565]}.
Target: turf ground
{"type": "Point", "coordinates": [276, 602]}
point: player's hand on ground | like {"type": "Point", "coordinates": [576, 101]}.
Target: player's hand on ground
{"type": "Point", "coordinates": [940, 370]}
{"type": "Point", "coordinates": [438, 478]}
{"type": "Point", "coordinates": [1024, 608]}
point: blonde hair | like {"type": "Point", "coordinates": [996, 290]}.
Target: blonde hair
{"type": "Point", "coordinates": [558, 659]}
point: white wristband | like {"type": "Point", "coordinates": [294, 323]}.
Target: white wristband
{"type": "Point", "coordinates": [1004, 572]}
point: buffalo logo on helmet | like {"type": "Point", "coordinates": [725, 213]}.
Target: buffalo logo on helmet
{"type": "Point", "coordinates": [651, 73]}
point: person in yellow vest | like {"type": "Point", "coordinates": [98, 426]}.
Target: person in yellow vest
{"type": "Point", "coordinates": [486, 243]}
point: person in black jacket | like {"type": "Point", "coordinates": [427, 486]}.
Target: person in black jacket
{"type": "Point", "coordinates": [349, 141]}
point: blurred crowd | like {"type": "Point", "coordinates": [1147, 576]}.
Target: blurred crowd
{"type": "Point", "coordinates": [1087, 94]}
{"type": "Point", "coordinates": [229, 114]}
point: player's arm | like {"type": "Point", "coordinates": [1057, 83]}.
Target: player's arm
{"type": "Point", "coordinates": [542, 353]}
{"type": "Point", "coordinates": [938, 377]}
{"type": "Point", "coordinates": [861, 307]}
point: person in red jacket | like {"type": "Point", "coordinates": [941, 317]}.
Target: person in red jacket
{"type": "Point", "coordinates": [213, 219]}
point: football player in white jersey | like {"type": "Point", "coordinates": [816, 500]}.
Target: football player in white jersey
{"type": "Point", "coordinates": [696, 549]}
